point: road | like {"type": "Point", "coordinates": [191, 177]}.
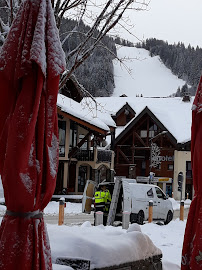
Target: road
{"type": "Point", "coordinates": [71, 219]}
{"type": "Point", "coordinates": [78, 219]}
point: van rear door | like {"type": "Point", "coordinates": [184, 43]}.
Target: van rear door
{"type": "Point", "coordinates": [151, 195]}
{"type": "Point", "coordinates": [126, 197]}
{"type": "Point", "coordinates": [88, 195]}
{"type": "Point", "coordinates": [161, 204]}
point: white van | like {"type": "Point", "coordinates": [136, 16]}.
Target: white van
{"type": "Point", "coordinates": [141, 194]}
{"type": "Point", "coordinates": [133, 198]}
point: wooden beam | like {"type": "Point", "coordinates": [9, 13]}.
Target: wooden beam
{"type": "Point", "coordinates": [124, 165]}
{"type": "Point", "coordinates": [147, 130]}
{"type": "Point", "coordinates": [123, 155]}
{"type": "Point", "coordinates": [77, 147]}
{"type": "Point", "coordinates": [140, 139]}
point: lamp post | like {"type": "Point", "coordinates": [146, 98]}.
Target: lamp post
{"type": "Point", "coordinates": [154, 149]}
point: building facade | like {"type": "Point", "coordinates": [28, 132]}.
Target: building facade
{"type": "Point", "coordinates": [153, 143]}
{"type": "Point", "coordinates": [81, 155]}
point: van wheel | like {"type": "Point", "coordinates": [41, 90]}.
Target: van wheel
{"type": "Point", "coordinates": [133, 218]}
{"type": "Point", "coordinates": [140, 218]}
{"type": "Point", "coordinates": [169, 217]}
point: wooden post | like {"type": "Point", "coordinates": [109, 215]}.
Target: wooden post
{"type": "Point", "coordinates": [125, 220]}
{"type": "Point", "coordinates": [98, 218]}
{"type": "Point", "coordinates": [61, 211]}
{"type": "Point", "coordinates": [182, 210]}
{"type": "Point", "coordinates": [150, 211]}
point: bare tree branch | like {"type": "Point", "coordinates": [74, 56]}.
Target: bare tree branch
{"type": "Point", "coordinates": [111, 13]}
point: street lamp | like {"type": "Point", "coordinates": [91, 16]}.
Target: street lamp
{"type": "Point", "coordinates": [154, 148]}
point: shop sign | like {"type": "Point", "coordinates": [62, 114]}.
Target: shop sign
{"type": "Point", "coordinates": [163, 158]}
{"type": "Point", "coordinates": [164, 179]}
{"type": "Point", "coordinates": [144, 179]}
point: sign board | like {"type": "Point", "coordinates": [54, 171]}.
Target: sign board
{"type": "Point", "coordinates": [164, 179]}
{"type": "Point", "coordinates": [143, 179]}
{"type": "Point", "coordinates": [164, 158]}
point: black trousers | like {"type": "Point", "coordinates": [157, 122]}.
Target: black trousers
{"type": "Point", "coordinates": [101, 207]}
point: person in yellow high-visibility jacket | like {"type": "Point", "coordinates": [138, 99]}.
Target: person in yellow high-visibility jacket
{"type": "Point", "coordinates": [102, 201]}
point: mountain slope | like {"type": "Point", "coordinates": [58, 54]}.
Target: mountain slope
{"type": "Point", "coordinates": [147, 76]}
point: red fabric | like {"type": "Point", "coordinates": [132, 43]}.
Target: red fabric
{"type": "Point", "coordinates": [29, 81]}
{"type": "Point", "coordinates": [192, 247]}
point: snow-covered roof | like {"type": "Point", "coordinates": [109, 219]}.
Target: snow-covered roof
{"type": "Point", "coordinates": [84, 112]}
{"type": "Point", "coordinates": [172, 112]}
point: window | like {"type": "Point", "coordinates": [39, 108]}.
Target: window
{"type": "Point", "coordinates": [170, 167]}
{"type": "Point", "coordinates": [82, 178]}
{"type": "Point", "coordinates": [153, 127]}
{"type": "Point", "coordinates": [62, 137]}
{"type": "Point", "coordinates": [85, 144]}
{"type": "Point", "coordinates": [188, 169]}
{"type": "Point", "coordinates": [151, 133]}
{"type": "Point", "coordinates": [150, 193]}
{"type": "Point", "coordinates": [73, 135]}
{"type": "Point", "coordinates": [159, 193]}
{"type": "Point", "coordinates": [143, 133]}
{"type": "Point", "coordinates": [128, 118]}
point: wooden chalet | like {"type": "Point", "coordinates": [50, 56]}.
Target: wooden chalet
{"type": "Point", "coordinates": [138, 126]}
{"type": "Point", "coordinates": [133, 149]}
{"type": "Point", "coordinates": [81, 155]}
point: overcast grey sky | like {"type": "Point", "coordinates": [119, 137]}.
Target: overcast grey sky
{"type": "Point", "coordinates": [171, 20]}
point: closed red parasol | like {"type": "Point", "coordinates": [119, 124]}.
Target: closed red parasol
{"type": "Point", "coordinates": [192, 247]}
{"type": "Point", "coordinates": [31, 61]}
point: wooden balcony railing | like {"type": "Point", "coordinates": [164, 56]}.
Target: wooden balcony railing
{"type": "Point", "coordinates": [85, 155]}
{"type": "Point", "coordinates": [97, 155]}
{"type": "Point", "coordinates": [104, 155]}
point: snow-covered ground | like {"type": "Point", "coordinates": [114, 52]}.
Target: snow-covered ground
{"type": "Point", "coordinates": [94, 243]}
{"type": "Point", "coordinates": [168, 238]}
{"type": "Point", "coordinates": [102, 244]}
{"type": "Point", "coordinates": [143, 74]}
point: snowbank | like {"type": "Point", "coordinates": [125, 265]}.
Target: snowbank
{"type": "Point", "coordinates": [87, 241]}
{"type": "Point", "coordinates": [169, 239]}
{"type": "Point", "coordinates": [61, 267]}
{"type": "Point", "coordinates": [176, 204]}
{"type": "Point", "coordinates": [103, 246]}
{"type": "Point", "coordinates": [71, 208]}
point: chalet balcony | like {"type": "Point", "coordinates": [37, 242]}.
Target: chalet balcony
{"type": "Point", "coordinates": [85, 155]}
{"type": "Point", "coordinates": [98, 155]}
{"type": "Point", "coordinates": [104, 155]}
